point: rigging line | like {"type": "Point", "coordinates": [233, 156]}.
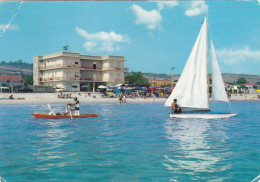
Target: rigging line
{"type": "Point", "coordinates": [10, 21]}
{"type": "Point", "coordinates": [210, 34]}
{"type": "Point", "coordinates": [230, 107]}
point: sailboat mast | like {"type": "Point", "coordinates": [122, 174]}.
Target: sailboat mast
{"type": "Point", "coordinates": [208, 81]}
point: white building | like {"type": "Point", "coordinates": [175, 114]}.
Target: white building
{"type": "Point", "coordinates": [72, 70]}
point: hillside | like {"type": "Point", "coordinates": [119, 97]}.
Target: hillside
{"type": "Point", "coordinates": [227, 77]}
{"type": "Point", "coordinates": [15, 68]}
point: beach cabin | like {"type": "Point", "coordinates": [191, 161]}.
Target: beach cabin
{"type": "Point", "coordinates": [11, 83]}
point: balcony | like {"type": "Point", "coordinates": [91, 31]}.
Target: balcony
{"type": "Point", "coordinates": [114, 80]}
{"type": "Point", "coordinates": [106, 68]}
{"type": "Point", "coordinates": [91, 79]}
{"type": "Point", "coordinates": [113, 68]}
{"type": "Point", "coordinates": [91, 68]}
{"type": "Point", "coordinates": [55, 66]}
{"type": "Point", "coordinates": [58, 79]}
{"type": "Point", "coordinates": [101, 80]}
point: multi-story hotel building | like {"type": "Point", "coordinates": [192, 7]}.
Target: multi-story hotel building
{"type": "Point", "coordinates": [72, 70]}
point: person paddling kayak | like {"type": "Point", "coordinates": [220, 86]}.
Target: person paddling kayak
{"type": "Point", "coordinates": [75, 104]}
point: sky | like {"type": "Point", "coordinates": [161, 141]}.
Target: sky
{"type": "Point", "coordinates": [152, 36]}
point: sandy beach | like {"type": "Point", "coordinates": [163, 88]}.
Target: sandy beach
{"type": "Point", "coordinates": [83, 97]}
{"type": "Point", "coordinates": [43, 98]}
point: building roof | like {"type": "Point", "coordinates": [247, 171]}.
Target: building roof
{"type": "Point", "coordinates": [11, 78]}
{"type": "Point", "coordinates": [77, 55]}
{"type": "Point", "coordinates": [226, 84]}
{"type": "Point", "coordinates": [250, 83]}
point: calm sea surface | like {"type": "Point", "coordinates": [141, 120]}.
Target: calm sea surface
{"type": "Point", "coordinates": [130, 142]}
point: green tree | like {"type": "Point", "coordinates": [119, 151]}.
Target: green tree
{"type": "Point", "coordinates": [28, 80]}
{"type": "Point", "coordinates": [136, 78]}
{"type": "Point", "coordinates": [258, 83]}
{"type": "Point", "coordinates": [241, 80]}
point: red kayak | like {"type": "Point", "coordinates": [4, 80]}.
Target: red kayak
{"type": "Point", "coordinates": [47, 116]}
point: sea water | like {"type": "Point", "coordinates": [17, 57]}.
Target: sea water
{"type": "Point", "coordinates": [129, 142]}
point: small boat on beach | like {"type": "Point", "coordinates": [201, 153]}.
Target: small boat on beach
{"type": "Point", "coordinates": [192, 89]}
{"type": "Point", "coordinates": [47, 116]}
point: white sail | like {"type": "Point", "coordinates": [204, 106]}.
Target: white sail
{"type": "Point", "coordinates": [218, 88]}
{"type": "Point", "coordinates": [191, 89]}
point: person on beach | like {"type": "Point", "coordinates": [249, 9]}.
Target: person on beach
{"type": "Point", "coordinates": [75, 104]}
{"type": "Point", "coordinates": [124, 98]}
{"type": "Point", "coordinates": [121, 98]}
{"type": "Point", "coordinates": [175, 107]}
{"type": "Point", "coordinates": [11, 97]}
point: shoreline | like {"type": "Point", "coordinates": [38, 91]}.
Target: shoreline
{"type": "Point", "coordinates": [45, 98]}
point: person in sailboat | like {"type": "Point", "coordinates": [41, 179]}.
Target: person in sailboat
{"type": "Point", "coordinates": [175, 107]}
{"type": "Point", "coordinates": [75, 104]}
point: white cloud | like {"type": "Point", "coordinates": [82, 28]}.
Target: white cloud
{"type": "Point", "coordinates": [236, 56]}
{"type": "Point", "coordinates": [102, 41]}
{"type": "Point", "coordinates": [162, 4]}
{"type": "Point", "coordinates": [151, 18]}
{"type": "Point", "coordinates": [197, 7]}
{"type": "Point", "coordinates": [9, 27]}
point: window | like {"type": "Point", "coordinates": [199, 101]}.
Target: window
{"type": "Point", "coordinates": [76, 74]}
{"type": "Point", "coordinates": [76, 62]}
{"type": "Point", "coordinates": [94, 65]}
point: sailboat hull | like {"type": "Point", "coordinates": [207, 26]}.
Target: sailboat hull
{"type": "Point", "coordinates": [201, 115]}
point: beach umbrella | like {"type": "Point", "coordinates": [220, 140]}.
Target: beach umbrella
{"type": "Point", "coordinates": [119, 85]}
{"type": "Point", "coordinates": [56, 87]}
{"type": "Point", "coordinates": [84, 86]}
{"type": "Point", "coordinates": [101, 87]}
{"type": "Point", "coordinates": [138, 88]}
{"type": "Point", "coordinates": [127, 88]}
{"type": "Point", "coordinates": [4, 88]}
{"type": "Point", "coordinates": [166, 88]}
{"type": "Point", "coordinates": [74, 86]}
{"type": "Point", "coordinates": [152, 87]}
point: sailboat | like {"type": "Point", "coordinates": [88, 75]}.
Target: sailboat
{"type": "Point", "coordinates": [192, 89]}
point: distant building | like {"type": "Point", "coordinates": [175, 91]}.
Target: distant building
{"type": "Point", "coordinates": [11, 83]}
{"type": "Point", "coordinates": [252, 87]}
{"type": "Point", "coordinates": [162, 83]}
{"type": "Point", "coordinates": [72, 71]}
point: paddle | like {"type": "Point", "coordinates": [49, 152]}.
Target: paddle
{"type": "Point", "coordinates": [52, 112]}
{"type": "Point", "coordinates": [69, 111]}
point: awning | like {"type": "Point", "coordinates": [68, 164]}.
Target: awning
{"type": "Point", "coordinates": [4, 88]}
